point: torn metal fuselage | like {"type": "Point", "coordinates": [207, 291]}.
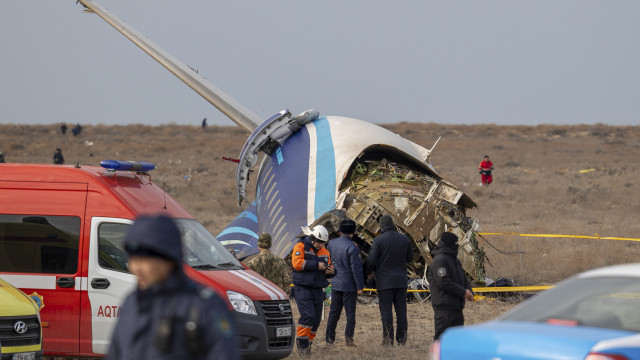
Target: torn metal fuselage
{"type": "Point", "coordinates": [332, 167]}
{"type": "Point", "coordinates": [422, 205]}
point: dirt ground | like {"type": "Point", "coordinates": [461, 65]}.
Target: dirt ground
{"type": "Point", "coordinates": [368, 332]}
{"type": "Point", "coordinates": [573, 180]}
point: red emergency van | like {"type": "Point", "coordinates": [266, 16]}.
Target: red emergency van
{"type": "Point", "coordinates": [61, 237]}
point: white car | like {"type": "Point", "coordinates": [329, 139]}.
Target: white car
{"type": "Point", "coordinates": [591, 316]}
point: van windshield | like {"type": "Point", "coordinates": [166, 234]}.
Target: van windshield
{"type": "Point", "coordinates": [202, 251]}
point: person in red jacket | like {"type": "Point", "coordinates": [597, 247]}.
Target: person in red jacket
{"type": "Point", "coordinates": [485, 170]}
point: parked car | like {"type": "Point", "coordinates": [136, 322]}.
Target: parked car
{"type": "Point", "coordinates": [20, 330]}
{"type": "Point", "coordinates": [591, 316]}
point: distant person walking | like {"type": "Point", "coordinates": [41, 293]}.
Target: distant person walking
{"type": "Point", "coordinates": [311, 269]}
{"type": "Point", "coordinates": [388, 258]}
{"type": "Point", "coordinates": [63, 129]}
{"type": "Point", "coordinates": [204, 123]}
{"type": "Point", "coordinates": [76, 130]}
{"type": "Point", "coordinates": [448, 284]}
{"type": "Point", "coordinates": [485, 171]}
{"type": "Point", "coordinates": [57, 157]}
{"type": "Point", "coordinates": [271, 266]}
{"type": "Point", "coordinates": [347, 283]}
{"type": "Point", "coordinates": [1, 157]}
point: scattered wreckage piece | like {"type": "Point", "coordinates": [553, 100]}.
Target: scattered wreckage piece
{"type": "Point", "coordinates": [423, 206]}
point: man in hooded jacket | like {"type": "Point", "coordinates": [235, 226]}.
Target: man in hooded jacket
{"type": "Point", "coordinates": [388, 258]}
{"type": "Point", "coordinates": [448, 284]}
{"type": "Point", "coordinates": [168, 316]}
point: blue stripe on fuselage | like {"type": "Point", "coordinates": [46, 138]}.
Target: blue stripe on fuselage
{"type": "Point", "coordinates": [237, 230]}
{"type": "Point", "coordinates": [291, 191]}
{"type": "Point", "coordinates": [325, 199]}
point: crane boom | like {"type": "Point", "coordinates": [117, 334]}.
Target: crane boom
{"type": "Point", "coordinates": [223, 102]}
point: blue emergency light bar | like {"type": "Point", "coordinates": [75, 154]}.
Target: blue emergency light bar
{"type": "Point", "coordinates": [124, 165]}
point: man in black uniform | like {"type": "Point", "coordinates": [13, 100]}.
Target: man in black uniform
{"type": "Point", "coordinates": [388, 259]}
{"type": "Point", "coordinates": [448, 284]}
{"type": "Point", "coordinates": [168, 316]}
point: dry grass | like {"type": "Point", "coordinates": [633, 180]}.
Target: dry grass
{"type": "Point", "coordinates": [538, 188]}
{"type": "Point", "coordinates": [368, 332]}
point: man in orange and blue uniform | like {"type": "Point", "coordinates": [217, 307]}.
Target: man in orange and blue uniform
{"type": "Point", "coordinates": [311, 268]}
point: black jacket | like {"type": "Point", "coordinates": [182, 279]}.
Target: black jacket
{"type": "Point", "coordinates": [388, 257]}
{"type": "Point", "coordinates": [144, 311]}
{"type": "Point", "coordinates": [169, 306]}
{"type": "Point", "coordinates": [447, 279]}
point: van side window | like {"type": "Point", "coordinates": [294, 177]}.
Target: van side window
{"type": "Point", "coordinates": [39, 243]}
{"type": "Point", "coordinates": [111, 253]}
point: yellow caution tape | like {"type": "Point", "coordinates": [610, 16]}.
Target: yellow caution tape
{"type": "Point", "coordinates": [510, 288]}
{"type": "Point", "coordinates": [563, 236]}
{"type": "Point", "coordinates": [492, 289]}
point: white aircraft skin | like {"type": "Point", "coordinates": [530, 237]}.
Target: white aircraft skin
{"type": "Point", "coordinates": [308, 156]}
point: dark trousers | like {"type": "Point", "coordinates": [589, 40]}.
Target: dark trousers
{"type": "Point", "coordinates": [446, 318]}
{"type": "Point", "coordinates": [310, 302]}
{"type": "Point", "coordinates": [398, 298]}
{"type": "Point", "coordinates": [340, 299]}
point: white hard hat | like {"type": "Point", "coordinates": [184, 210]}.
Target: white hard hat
{"type": "Point", "coordinates": [319, 232]}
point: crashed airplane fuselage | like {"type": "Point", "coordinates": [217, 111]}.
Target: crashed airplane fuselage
{"type": "Point", "coordinates": [318, 169]}
{"type": "Point", "coordinates": [357, 168]}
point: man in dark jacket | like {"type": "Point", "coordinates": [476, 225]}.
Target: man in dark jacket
{"type": "Point", "coordinates": [168, 316]}
{"type": "Point", "coordinates": [448, 284]}
{"type": "Point", "coordinates": [348, 282]}
{"type": "Point", "coordinates": [311, 269]}
{"type": "Point", "coordinates": [388, 259]}
{"type": "Point", "coordinates": [57, 157]}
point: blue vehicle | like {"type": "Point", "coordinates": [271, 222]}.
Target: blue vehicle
{"type": "Point", "coordinates": [591, 316]}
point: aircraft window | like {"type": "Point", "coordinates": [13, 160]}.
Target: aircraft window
{"type": "Point", "coordinates": [111, 253]}
{"type": "Point", "coordinates": [39, 243]}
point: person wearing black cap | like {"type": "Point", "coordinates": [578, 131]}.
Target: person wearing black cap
{"type": "Point", "coordinates": [168, 316]}
{"type": "Point", "coordinates": [388, 258]}
{"type": "Point", "coordinates": [448, 284]}
{"type": "Point", "coordinates": [348, 282]}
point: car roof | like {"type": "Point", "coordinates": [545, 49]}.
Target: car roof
{"type": "Point", "coordinates": [625, 270]}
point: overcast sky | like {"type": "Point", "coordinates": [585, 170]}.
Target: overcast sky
{"type": "Point", "coordinates": [452, 62]}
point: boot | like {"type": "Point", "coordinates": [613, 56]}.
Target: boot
{"type": "Point", "coordinates": [387, 341]}
{"type": "Point", "coordinates": [351, 343]}
{"type": "Point", "coordinates": [304, 348]}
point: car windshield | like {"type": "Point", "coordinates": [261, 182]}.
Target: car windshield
{"type": "Point", "coordinates": [202, 251]}
{"type": "Point", "coordinates": [604, 302]}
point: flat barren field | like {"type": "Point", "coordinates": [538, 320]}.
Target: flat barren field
{"type": "Point", "coordinates": [566, 180]}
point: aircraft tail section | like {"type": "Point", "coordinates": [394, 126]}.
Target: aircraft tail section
{"type": "Point", "coordinates": [225, 103]}
{"type": "Point", "coordinates": [241, 235]}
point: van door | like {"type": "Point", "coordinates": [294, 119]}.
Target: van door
{"type": "Point", "coordinates": [109, 279]}
{"type": "Point", "coordinates": [40, 234]}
